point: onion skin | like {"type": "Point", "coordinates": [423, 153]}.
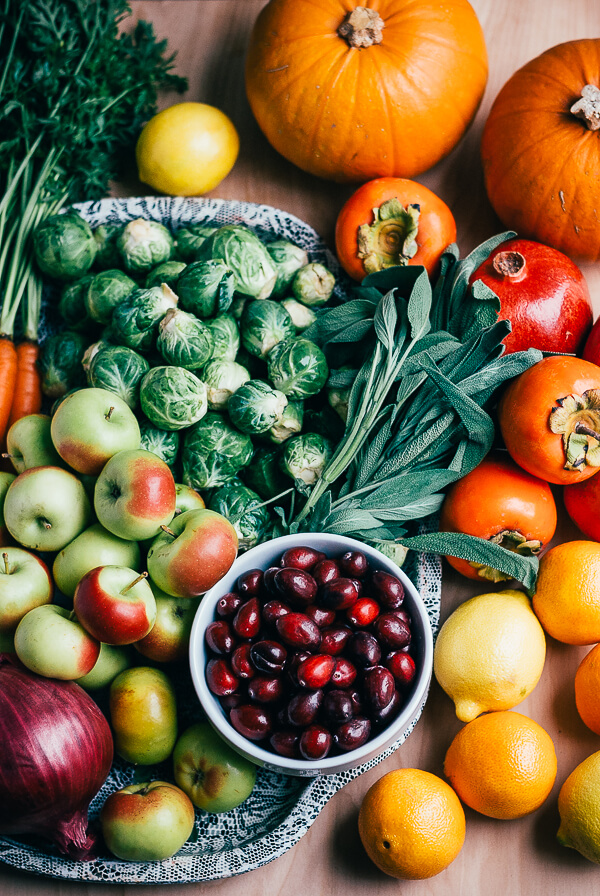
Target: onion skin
{"type": "Point", "coordinates": [57, 750]}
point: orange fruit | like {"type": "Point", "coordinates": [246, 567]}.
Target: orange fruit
{"type": "Point", "coordinates": [502, 764]}
{"type": "Point", "coordinates": [412, 824]}
{"type": "Point", "coordinates": [567, 594]}
{"type": "Point", "coordinates": [587, 689]}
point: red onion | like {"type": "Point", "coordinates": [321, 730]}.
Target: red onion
{"type": "Point", "coordinates": [57, 750]}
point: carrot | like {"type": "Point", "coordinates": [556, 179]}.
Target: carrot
{"type": "Point", "coordinates": [28, 393]}
{"type": "Point", "coordinates": [8, 380]}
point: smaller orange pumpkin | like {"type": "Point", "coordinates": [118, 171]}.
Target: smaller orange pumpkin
{"type": "Point", "coordinates": [541, 149]}
{"type": "Point", "coordinates": [502, 503]}
{"type": "Point", "coordinates": [549, 418]}
{"type": "Point", "coordinates": [392, 221]}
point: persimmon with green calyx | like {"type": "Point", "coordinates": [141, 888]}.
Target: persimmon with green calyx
{"type": "Point", "coordinates": [501, 502]}
{"type": "Point", "coordinates": [392, 221]}
{"type": "Point", "coordinates": [549, 418]}
{"type": "Point", "coordinates": [542, 293]}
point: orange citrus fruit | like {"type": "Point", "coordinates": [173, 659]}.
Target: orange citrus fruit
{"type": "Point", "coordinates": [587, 689]}
{"type": "Point", "coordinates": [502, 764]}
{"type": "Point", "coordinates": [579, 809]}
{"type": "Point", "coordinates": [567, 594]}
{"type": "Point", "coordinates": [412, 824]}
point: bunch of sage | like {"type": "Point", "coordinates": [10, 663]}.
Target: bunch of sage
{"type": "Point", "coordinates": [431, 363]}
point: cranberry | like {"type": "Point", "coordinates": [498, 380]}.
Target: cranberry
{"type": "Point", "coordinates": [249, 584]}
{"type": "Point", "coordinates": [285, 742]}
{"type": "Point", "coordinates": [251, 721]}
{"type": "Point", "coordinates": [293, 661]}
{"type": "Point", "coordinates": [344, 673]}
{"type": "Point", "coordinates": [296, 586]}
{"type": "Point", "coordinates": [265, 689]}
{"type": "Point", "coordinates": [220, 677]}
{"type": "Point", "coordinates": [301, 557]}
{"type": "Point", "coordinates": [392, 632]}
{"type": "Point", "coordinates": [272, 610]}
{"type": "Point", "coordinates": [364, 649]}
{"type": "Point", "coordinates": [354, 564]}
{"type": "Point", "coordinates": [228, 605]}
{"type": "Point", "coordinates": [241, 662]}
{"type": "Point", "coordinates": [315, 671]}
{"type": "Point", "coordinates": [337, 707]}
{"type": "Point", "coordinates": [268, 656]}
{"type": "Point", "coordinates": [325, 571]}
{"type": "Point", "coordinates": [352, 734]}
{"type": "Point", "coordinates": [387, 589]}
{"type": "Point", "coordinates": [402, 666]}
{"type": "Point", "coordinates": [339, 594]}
{"type": "Point", "coordinates": [385, 715]}
{"type": "Point", "coordinates": [334, 639]}
{"type": "Point", "coordinates": [321, 615]}
{"type": "Point", "coordinates": [298, 630]}
{"type": "Point", "coordinates": [246, 622]}
{"type": "Point", "coordinates": [315, 742]}
{"type": "Point", "coordinates": [268, 577]}
{"type": "Point", "coordinates": [219, 637]}
{"type": "Point", "coordinates": [302, 709]}
{"type": "Point", "coordinates": [378, 687]}
{"type": "Point", "coordinates": [363, 612]}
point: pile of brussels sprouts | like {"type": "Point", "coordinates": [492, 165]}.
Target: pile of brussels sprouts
{"type": "Point", "coordinates": [201, 333]}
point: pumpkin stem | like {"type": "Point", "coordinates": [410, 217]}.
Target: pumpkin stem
{"type": "Point", "coordinates": [361, 28]}
{"type": "Point", "coordinates": [510, 264]}
{"type": "Point", "coordinates": [391, 239]}
{"type": "Point", "coordinates": [577, 419]}
{"type": "Point", "coordinates": [511, 540]}
{"type": "Point", "coordinates": [588, 107]}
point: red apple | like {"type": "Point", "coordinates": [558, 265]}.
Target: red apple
{"type": "Point", "coordinates": [591, 349]}
{"type": "Point", "coordinates": [135, 495]}
{"type": "Point", "coordinates": [147, 822]}
{"type": "Point", "coordinates": [115, 604]}
{"type": "Point", "coordinates": [542, 293]}
{"type": "Point", "coordinates": [193, 553]}
{"type": "Point", "coordinates": [168, 640]}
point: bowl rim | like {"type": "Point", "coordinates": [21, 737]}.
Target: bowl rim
{"type": "Point", "coordinates": [216, 715]}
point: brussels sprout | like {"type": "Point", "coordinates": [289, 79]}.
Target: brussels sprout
{"type": "Point", "coordinates": [60, 363]}
{"type": "Point", "coordinates": [168, 272]}
{"type": "Point", "coordinates": [298, 368]}
{"type": "Point", "coordinates": [189, 239]}
{"type": "Point", "coordinates": [144, 244]}
{"type": "Point", "coordinates": [206, 288]}
{"type": "Point", "coordinates": [135, 319]}
{"type": "Point", "coordinates": [172, 397]}
{"type": "Point", "coordinates": [64, 246]}
{"type": "Point", "coordinates": [301, 315]}
{"type": "Point", "coordinates": [161, 442]}
{"type": "Point", "coordinates": [226, 337]}
{"type": "Point", "coordinates": [107, 254]}
{"type": "Point", "coordinates": [313, 284]}
{"type": "Point", "coordinates": [264, 475]}
{"type": "Point", "coordinates": [213, 452]}
{"type": "Point", "coordinates": [71, 306]}
{"type": "Point", "coordinates": [120, 370]}
{"type": "Point", "coordinates": [289, 424]}
{"type": "Point", "coordinates": [264, 324]}
{"type": "Point", "coordinates": [243, 252]}
{"type": "Point", "coordinates": [183, 340]}
{"type": "Point", "coordinates": [222, 379]}
{"type": "Point", "coordinates": [288, 259]}
{"type": "Point", "coordinates": [305, 456]}
{"type": "Point", "coordinates": [256, 406]}
{"type": "Point", "coordinates": [242, 507]}
{"type": "Point", "coordinates": [105, 291]}
{"type": "Point", "coordinates": [338, 400]}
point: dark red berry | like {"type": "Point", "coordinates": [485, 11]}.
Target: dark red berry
{"type": "Point", "coordinates": [219, 637]}
{"type": "Point", "coordinates": [334, 639]}
{"type": "Point", "coordinates": [387, 589]}
{"type": "Point", "coordinates": [315, 742]}
{"type": "Point", "coordinates": [265, 689]}
{"type": "Point", "coordinates": [249, 584]}
{"type": "Point", "coordinates": [228, 604]}
{"type": "Point", "coordinates": [344, 673]}
{"type": "Point", "coordinates": [391, 631]}
{"type": "Point", "coordinates": [241, 662]}
{"type": "Point", "coordinates": [353, 564]}
{"type": "Point", "coordinates": [363, 612]}
{"type": "Point", "coordinates": [378, 687]}
{"type": "Point", "coordinates": [352, 734]}
{"type": "Point", "coordinates": [246, 622]}
{"type": "Point", "coordinates": [301, 557]}
{"type": "Point", "coordinates": [251, 721]}
{"type": "Point", "coordinates": [285, 742]}
{"type": "Point", "coordinates": [303, 707]}
{"type": "Point", "coordinates": [339, 594]}
{"type": "Point", "coordinates": [298, 630]}
{"type": "Point", "coordinates": [295, 586]}
{"type": "Point", "coordinates": [315, 671]}
{"type": "Point", "coordinates": [325, 571]}
{"type": "Point", "coordinates": [220, 677]}
{"type": "Point", "coordinates": [402, 666]}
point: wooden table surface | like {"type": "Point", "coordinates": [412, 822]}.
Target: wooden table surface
{"type": "Point", "coordinates": [499, 857]}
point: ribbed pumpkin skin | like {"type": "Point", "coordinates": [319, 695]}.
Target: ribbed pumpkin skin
{"type": "Point", "coordinates": [540, 162]}
{"type": "Point", "coordinates": [350, 115]}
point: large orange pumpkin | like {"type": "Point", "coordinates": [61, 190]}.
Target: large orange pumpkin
{"type": "Point", "coordinates": [541, 150]}
{"type": "Point", "coordinates": [351, 92]}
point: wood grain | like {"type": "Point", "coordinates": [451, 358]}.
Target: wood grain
{"type": "Point", "coordinates": [518, 857]}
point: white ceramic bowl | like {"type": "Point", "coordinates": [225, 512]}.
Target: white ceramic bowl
{"type": "Point", "coordinates": [268, 554]}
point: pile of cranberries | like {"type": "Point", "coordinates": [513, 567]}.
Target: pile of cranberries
{"type": "Point", "coordinates": [313, 656]}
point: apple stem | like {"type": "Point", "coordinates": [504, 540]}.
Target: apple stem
{"type": "Point", "coordinates": [168, 531]}
{"type": "Point", "coordinates": [143, 575]}
{"type": "Point", "coordinates": [6, 563]}
{"type": "Point", "coordinates": [109, 414]}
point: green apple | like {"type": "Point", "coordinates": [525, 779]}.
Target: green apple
{"type": "Point", "coordinates": [112, 660]}
{"type": "Point", "coordinates": [143, 715]}
{"type": "Point", "coordinates": [193, 553]}
{"type": "Point", "coordinates": [51, 642]}
{"type": "Point", "coordinates": [135, 494]}
{"type": "Point", "coordinates": [168, 640]}
{"type": "Point", "coordinates": [95, 546]}
{"type": "Point", "coordinates": [29, 443]}
{"type": "Point", "coordinates": [5, 480]}
{"type": "Point", "coordinates": [25, 583]}
{"type": "Point", "coordinates": [147, 822]}
{"type": "Point", "coordinates": [46, 508]}
{"type": "Point", "coordinates": [213, 775]}
{"type": "Point", "coordinates": [187, 498]}
{"type": "Point", "coordinates": [91, 425]}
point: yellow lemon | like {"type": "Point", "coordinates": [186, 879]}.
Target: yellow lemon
{"type": "Point", "coordinates": [187, 149]}
{"type": "Point", "coordinates": [411, 824]}
{"type": "Point", "coordinates": [490, 653]}
{"type": "Point", "coordinates": [579, 809]}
